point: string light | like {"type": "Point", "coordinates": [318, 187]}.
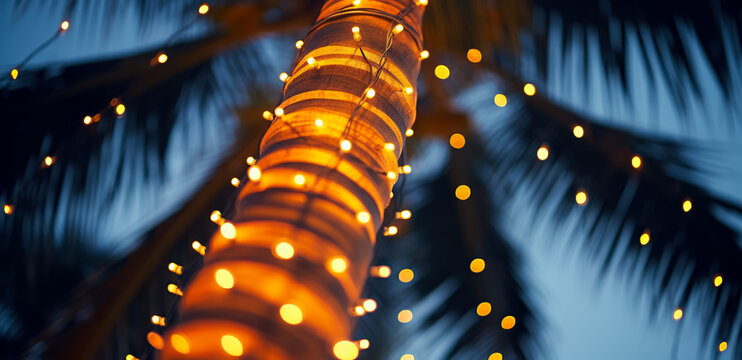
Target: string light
{"type": "Point", "coordinates": [14, 73]}
{"type": "Point", "coordinates": [48, 161]}
{"type": "Point", "coordinates": [409, 133]}
{"type": "Point", "coordinates": [363, 217]}
{"type": "Point", "coordinates": [254, 173]}
{"type": "Point", "coordinates": [299, 179]}
{"type": "Point", "coordinates": [404, 316]}
{"type": "Point", "coordinates": [299, 44]}
{"type": "Point", "coordinates": [722, 346]}
{"type": "Point", "coordinates": [291, 314]}
{"type": "Point", "coordinates": [345, 145]}
{"type": "Point", "coordinates": [364, 344]}
{"type": "Point", "coordinates": [120, 109]}
{"type": "Point", "coordinates": [542, 153]}
{"type": "Point", "coordinates": [64, 25]}
{"type": "Point", "coordinates": [155, 340]}
{"type": "Point", "coordinates": [180, 343]}
{"type": "Point", "coordinates": [406, 169]}
{"type": "Point", "coordinates": [158, 320]}
{"type": "Point", "coordinates": [369, 305]}
{"type": "Point", "coordinates": [250, 160]}
{"type": "Point", "coordinates": [198, 247]}
{"type": "Point", "coordinates": [442, 72]}
{"type": "Point", "coordinates": [319, 122]}
{"type": "Point", "coordinates": [235, 182]}
{"type": "Point", "coordinates": [687, 205]}
{"type": "Point", "coordinates": [215, 216]}
{"type": "Point", "coordinates": [87, 120]}
{"type": "Point", "coordinates": [457, 141]}
{"type": "Point", "coordinates": [409, 90]}
{"type": "Point", "coordinates": [424, 54]}
{"type": "Point", "coordinates": [477, 265]}
{"type": "Point", "coordinates": [578, 131]}
{"type": "Point", "coordinates": [501, 100]}
{"type": "Point", "coordinates": [581, 198]}
{"type": "Point", "coordinates": [338, 265]}
{"type": "Point", "coordinates": [224, 279]}
{"type": "Point", "coordinates": [422, 2]}
{"type": "Point", "coordinates": [474, 55]}
{"type": "Point", "coordinates": [382, 271]}
{"type": "Point", "coordinates": [356, 33]}
{"type": "Point", "coordinates": [284, 250]}
{"type": "Point", "coordinates": [228, 231]}
{"type": "Point", "coordinates": [389, 147]}
{"type": "Point", "coordinates": [370, 93]}
{"type": "Point", "coordinates": [174, 289]}
{"type": "Point", "coordinates": [644, 238]}
{"type": "Point", "coordinates": [345, 350]}
{"type": "Point", "coordinates": [462, 192]}
{"type": "Point", "coordinates": [390, 230]}
{"type": "Point", "coordinates": [407, 357]}
{"type": "Point", "coordinates": [311, 61]}
{"type": "Point", "coordinates": [278, 111]}
{"type": "Point", "coordinates": [283, 76]}
{"type": "Point", "coordinates": [718, 280]}
{"type": "Point", "coordinates": [508, 322]}
{"type": "Point", "coordinates": [356, 2]}
{"type": "Point", "coordinates": [406, 275]}
{"type": "Point", "coordinates": [677, 314]}
{"type": "Point", "coordinates": [495, 356]}
{"type": "Point", "coordinates": [175, 268]}
{"type": "Point", "coordinates": [267, 115]}
{"type": "Point", "coordinates": [359, 310]}
{"type": "Point", "coordinates": [391, 175]}
{"type": "Point", "coordinates": [231, 345]}
{"type": "Point", "coordinates": [8, 209]}
{"type": "Point", "coordinates": [397, 29]}
{"type": "Point", "coordinates": [162, 58]}
{"type": "Point", "coordinates": [484, 308]}
{"type": "Point", "coordinates": [404, 214]}
{"type": "Point", "coordinates": [636, 162]}
{"type": "Point", "coordinates": [203, 9]}
{"type": "Point", "coordinates": [131, 357]}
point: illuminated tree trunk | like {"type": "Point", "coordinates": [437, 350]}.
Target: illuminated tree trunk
{"type": "Point", "coordinates": [282, 283]}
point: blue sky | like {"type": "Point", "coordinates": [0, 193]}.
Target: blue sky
{"type": "Point", "coordinates": [587, 315]}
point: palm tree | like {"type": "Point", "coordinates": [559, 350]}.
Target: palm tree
{"type": "Point", "coordinates": [100, 300]}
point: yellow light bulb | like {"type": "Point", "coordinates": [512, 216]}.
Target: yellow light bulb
{"type": "Point", "coordinates": [409, 132]}
{"type": "Point", "coordinates": [495, 356]}
{"type": "Point", "coordinates": [369, 305]}
{"type": "Point", "coordinates": [162, 58]}
{"type": "Point", "coordinates": [359, 311]}
{"type": "Point", "coordinates": [363, 217]}
{"type": "Point", "coordinates": [228, 230]}
{"type": "Point", "coordinates": [356, 2]}
{"type": "Point", "coordinates": [477, 265]}
{"type": "Point", "coordinates": [198, 247]}
{"type": "Point", "coordinates": [319, 122]}
{"type": "Point", "coordinates": [406, 275]}
{"type": "Point", "coordinates": [687, 205]}
{"type": "Point", "coordinates": [404, 316]}
{"type": "Point", "coordinates": [409, 90]}
{"type": "Point", "coordinates": [405, 214]}
{"type": "Point", "coordinates": [64, 25]}
{"type": "Point", "coordinates": [501, 100]}
{"type": "Point", "coordinates": [203, 9]}
{"type": "Point", "coordinates": [484, 308]}
{"type": "Point", "coordinates": [422, 2]}
{"type": "Point", "coordinates": [636, 162]}
{"type": "Point", "coordinates": [463, 192]}
{"type": "Point", "coordinates": [291, 314]}
{"type": "Point", "coordinates": [311, 61]}
{"type": "Point", "coordinates": [391, 175]}
{"type": "Point", "coordinates": [131, 357]}
{"type": "Point", "coordinates": [581, 198]}
{"type": "Point", "coordinates": [677, 314]}
{"type": "Point", "coordinates": [87, 120]}
{"type": "Point", "coordinates": [235, 182]}
{"type": "Point", "coordinates": [172, 288]}
{"type": "Point", "coordinates": [370, 93]}
{"type": "Point", "coordinates": [542, 153]}
{"type": "Point", "coordinates": [578, 131]}
{"type": "Point", "coordinates": [355, 29]}
{"type": "Point", "coordinates": [508, 322]}
{"type": "Point", "coordinates": [718, 280]}
{"type": "Point", "coordinates": [407, 357]}
{"type": "Point", "coordinates": [364, 344]}
{"type": "Point", "coordinates": [232, 345]}
{"type": "Point", "coordinates": [345, 350]}
{"type": "Point", "coordinates": [299, 179]}
{"type": "Point", "coordinates": [474, 55]}
{"type": "Point", "coordinates": [48, 161]}
{"type": "Point", "coordinates": [175, 268]}
{"type": "Point", "coordinates": [278, 111]}
{"type": "Point", "coordinates": [392, 230]}
{"type": "Point", "coordinates": [283, 76]}
{"type": "Point", "coordinates": [158, 320]}
{"type": "Point", "coordinates": [299, 44]}
{"type": "Point", "coordinates": [120, 109]}
{"type": "Point", "coordinates": [424, 54]}
{"type": "Point", "coordinates": [382, 271]}
{"type": "Point", "coordinates": [644, 238]}
{"type": "Point", "coordinates": [250, 160]}
{"type": "Point", "coordinates": [284, 250]}
{"type": "Point", "coordinates": [398, 29]}
{"type": "Point", "coordinates": [389, 147]}
{"type": "Point", "coordinates": [338, 265]}
{"type": "Point", "coordinates": [14, 74]}
{"type": "Point", "coordinates": [345, 145]}
{"type": "Point", "coordinates": [254, 173]}
{"type": "Point", "coordinates": [529, 89]}
{"type": "Point", "coordinates": [457, 141]}
{"type": "Point", "coordinates": [180, 343]}
{"type": "Point", "coordinates": [224, 278]}
{"type": "Point", "coordinates": [267, 115]}
{"type": "Point", "coordinates": [8, 209]}
{"type": "Point", "coordinates": [722, 346]}
{"type": "Point", "coordinates": [442, 72]}
{"type": "Point", "coordinates": [406, 169]}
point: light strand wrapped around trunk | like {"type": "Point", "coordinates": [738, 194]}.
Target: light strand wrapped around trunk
{"type": "Point", "coordinates": [281, 284]}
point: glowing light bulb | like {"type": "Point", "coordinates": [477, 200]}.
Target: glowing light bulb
{"type": "Point", "coordinates": [398, 29]}
{"type": "Point", "coordinates": [391, 230]}
{"type": "Point", "coordinates": [356, 2]}
{"type": "Point", "coordinates": [283, 76]}
{"type": "Point", "coordinates": [162, 58]}
{"type": "Point", "coordinates": [389, 147]}
{"type": "Point", "coordinates": [203, 9]}
{"type": "Point", "coordinates": [644, 238]}
{"type": "Point", "coordinates": [495, 356]}
{"type": "Point", "coordinates": [120, 109]}
{"type": "Point", "coordinates": [319, 122]}
{"type": "Point", "coordinates": [338, 265]}
{"type": "Point", "coordinates": [409, 90]}
{"type": "Point", "coordinates": [175, 268]}
{"type": "Point", "coordinates": [722, 346]}
{"type": "Point", "coordinates": [391, 175]}
{"type": "Point", "coordinates": [356, 33]}
{"type": "Point", "coordinates": [581, 198]}
{"type": "Point", "coordinates": [363, 217]}
{"type": "Point", "coordinates": [87, 120]}
{"type": "Point", "coordinates": [474, 55]}
{"type": "Point", "coordinates": [687, 205]}
{"type": "Point", "coordinates": [311, 61]}
{"type": "Point", "coordinates": [477, 265]}
{"type": "Point", "coordinates": [14, 74]}
{"type": "Point", "coordinates": [155, 340]}
{"type": "Point", "coordinates": [370, 93]}
{"type": "Point", "coordinates": [8, 209]}
{"type": "Point", "coordinates": [299, 44]}
{"type": "Point", "coordinates": [409, 133]}
{"type": "Point", "coordinates": [131, 357]}
{"type": "Point", "coordinates": [250, 160]}
{"type": "Point", "coordinates": [291, 314]}
{"type": "Point", "coordinates": [198, 247]}
{"type": "Point", "coordinates": [407, 357]}
{"type": "Point", "coordinates": [254, 173]}
{"type": "Point", "coordinates": [359, 311]}
{"type": "Point", "coordinates": [369, 305]}
{"type": "Point", "coordinates": [484, 308]}
{"type": "Point", "coordinates": [345, 350]}
{"type": "Point", "coordinates": [180, 343]}
{"type": "Point", "coordinates": [529, 89]}
{"type": "Point", "coordinates": [404, 316]}
{"type": "Point", "coordinates": [718, 280]}
{"type": "Point", "coordinates": [228, 230]}
{"type": "Point", "coordinates": [578, 131]}
{"type": "Point", "coordinates": [636, 162]}
{"type": "Point", "coordinates": [422, 2]}
{"type": "Point", "coordinates": [174, 289]}
{"type": "Point", "coordinates": [406, 275]}
{"type": "Point", "coordinates": [508, 322]}
{"type": "Point", "coordinates": [158, 320]}
{"type": "Point", "coordinates": [463, 192]}
{"type": "Point", "coordinates": [501, 100]}
{"type": "Point", "coordinates": [406, 169]}
{"type": "Point", "coordinates": [231, 345]}
{"type": "Point", "coordinates": [382, 271]}
{"type": "Point", "coordinates": [345, 145]}
{"type": "Point", "coordinates": [442, 72]}
{"type": "Point", "coordinates": [677, 314]}
{"type": "Point", "coordinates": [404, 214]}
{"type": "Point", "coordinates": [235, 182]}
{"type": "Point", "coordinates": [267, 115]}
{"type": "Point", "coordinates": [48, 161]}
{"type": "Point", "coordinates": [424, 54]}
{"type": "Point", "coordinates": [542, 153]}
{"type": "Point", "coordinates": [457, 141]}
{"type": "Point", "coordinates": [299, 179]}
{"type": "Point", "coordinates": [278, 111]}
{"type": "Point", "coordinates": [64, 25]}
{"type": "Point", "coordinates": [224, 278]}
{"type": "Point", "coordinates": [364, 344]}
{"type": "Point", "coordinates": [284, 250]}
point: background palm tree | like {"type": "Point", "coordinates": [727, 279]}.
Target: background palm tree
{"type": "Point", "coordinates": [69, 281]}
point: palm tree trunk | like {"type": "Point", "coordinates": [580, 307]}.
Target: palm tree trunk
{"type": "Point", "coordinates": [306, 224]}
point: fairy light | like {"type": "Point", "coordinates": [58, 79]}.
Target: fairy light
{"type": "Point", "coordinates": [477, 265]}
{"type": "Point", "coordinates": [283, 250]}
{"type": "Point", "coordinates": [389, 147]}
{"type": "Point", "coordinates": [422, 2]}
{"type": "Point", "coordinates": [409, 133]}
{"type": "Point", "coordinates": [424, 54]}
{"type": "Point", "coordinates": [254, 173]}
{"type": "Point", "coordinates": [162, 58]}
{"type": "Point", "coordinates": [155, 340]}
{"type": "Point", "coordinates": [120, 109]}
{"type": "Point", "coordinates": [636, 162]}
{"type": "Point", "coordinates": [175, 268]}
{"type": "Point", "coordinates": [356, 2]}
{"type": "Point", "coordinates": [363, 217]}
{"type": "Point", "coordinates": [235, 182]}
{"type": "Point", "coordinates": [338, 265]}
{"type": "Point", "coordinates": [390, 230]}
{"type": "Point", "coordinates": [474, 55]}
{"type": "Point", "coordinates": [687, 205]}
{"type": "Point", "coordinates": [718, 280]}
{"type": "Point", "coordinates": [644, 238]}
{"type": "Point", "coordinates": [283, 76]}
{"type": "Point", "coordinates": [345, 145]}
{"type": "Point", "coordinates": [198, 247]}
{"type": "Point", "coordinates": [228, 230]}
{"type": "Point", "coordinates": [457, 141]}
{"type": "Point", "coordinates": [495, 356]}
{"type": "Point", "coordinates": [299, 179]}
{"type": "Point", "coordinates": [406, 169]}
{"type": "Point", "coordinates": [356, 33]}
{"type": "Point", "coordinates": [311, 61]}
{"type": "Point", "coordinates": [231, 345]}
{"type": "Point", "coordinates": [291, 314]}
{"type": "Point", "coordinates": [404, 316]}
{"type": "Point", "coordinates": [369, 305]}
{"type": "Point", "coordinates": [529, 89]}
{"type": "Point", "coordinates": [359, 311]}
{"type": "Point", "coordinates": [215, 216]}
{"type": "Point", "coordinates": [250, 160]}
{"type": "Point", "coordinates": [581, 198]}
{"type": "Point", "coordinates": [299, 44]}
{"type": "Point", "coordinates": [14, 73]}
{"type": "Point", "coordinates": [174, 289]}
{"type": "Point", "coordinates": [391, 175]}
{"type": "Point", "coordinates": [319, 123]}
{"type": "Point", "coordinates": [345, 350]}
{"type": "Point", "coordinates": [404, 214]}
{"type": "Point", "coordinates": [180, 343]}
{"type": "Point", "coordinates": [397, 29]}
{"type": "Point", "coordinates": [542, 153]}
{"type": "Point", "coordinates": [381, 271]}
{"type": "Point", "coordinates": [8, 209]}
{"type": "Point", "coordinates": [677, 314]}
{"type": "Point", "coordinates": [158, 320]}
{"type": "Point", "coordinates": [407, 357]}
{"type": "Point", "coordinates": [224, 279]}
{"type": "Point", "coordinates": [462, 192]}
{"type": "Point", "coordinates": [203, 9]}
{"type": "Point", "coordinates": [64, 25]}
{"type": "Point", "coordinates": [278, 111]}
{"type": "Point", "coordinates": [501, 100]}
{"type": "Point", "coordinates": [722, 346]}
{"type": "Point", "coordinates": [267, 115]}
{"type": "Point", "coordinates": [48, 160]}
{"type": "Point", "coordinates": [406, 275]}
{"type": "Point", "coordinates": [87, 120]}
{"type": "Point", "coordinates": [508, 322]}
{"type": "Point", "coordinates": [484, 308]}
{"type": "Point", "coordinates": [409, 90]}
{"type": "Point", "coordinates": [370, 93]}
{"type": "Point", "coordinates": [578, 131]}
{"type": "Point", "coordinates": [442, 72]}
{"type": "Point", "coordinates": [131, 357]}
{"type": "Point", "coordinates": [364, 344]}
